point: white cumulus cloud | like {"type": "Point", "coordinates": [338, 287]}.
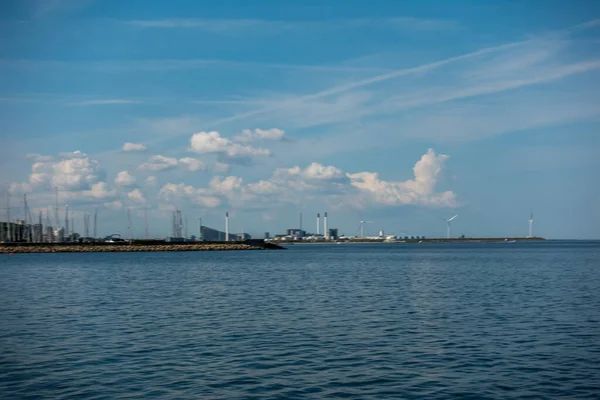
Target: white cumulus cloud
{"type": "Point", "coordinates": [263, 187]}
{"type": "Point", "coordinates": [172, 192]}
{"type": "Point", "coordinates": [420, 190]}
{"type": "Point", "coordinates": [159, 163]}
{"type": "Point", "coordinates": [226, 186]}
{"type": "Point", "coordinates": [192, 164]}
{"type": "Point", "coordinates": [124, 179]}
{"type": "Point", "coordinates": [228, 151]}
{"type": "Point", "coordinates": [100, 190]}
{"type": "Point", "coordinates": [73, 171]}
{"type": "Point", "coordinates": [328, 184]}
{"type": "Point", "coordinates": [137, 196]}
{"type": "Point", "coordinates": [321, 172]}
{"type": "Point", "coordinates": [128, 146]}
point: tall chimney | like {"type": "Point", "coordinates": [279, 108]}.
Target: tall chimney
{"type": "Point", "coordinates": [326, 233]}
{"type": "Point", "coordinates": [318, 224]}
{"type": "Point", "coordinates": [227, 227]}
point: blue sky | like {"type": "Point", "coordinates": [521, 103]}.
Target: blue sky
{"type": "Point", "coordinates": [399, 113]}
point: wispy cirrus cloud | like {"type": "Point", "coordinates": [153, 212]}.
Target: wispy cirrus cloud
{"type": "Point", "coordinates": [507, 70]}
{"type": "Point", "coordinates": [44, 8]}
{"type": "Point", "coordinates": [488, 71]}
{"type": "Point", "coordinates": [102, 102]}
{"type": "Point", "coordinates": [267, 27]}
{"type": "Point", "coordinates": [150, 65]}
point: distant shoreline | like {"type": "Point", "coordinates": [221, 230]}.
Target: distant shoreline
{"type": "Point", "coordinates": [400, 241]}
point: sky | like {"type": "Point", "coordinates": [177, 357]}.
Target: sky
{"type": "Point", "coordinates": [397, 113]}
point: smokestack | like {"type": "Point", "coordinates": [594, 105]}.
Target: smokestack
{"type": "Point", "coordinates": [145, 220]}
{"type": "Point", "coordinates": [326, 233]}
{"type": "Point", "coordinates": [56, 212]}
{"type": "Point", "coordinates": [227, 227]}
{"type": "Point", "coordinates": [300, 221]}
{"type": "Point", "coordinates": [40, 232]}
{"type": "Point", "coordinates": [318, 224]}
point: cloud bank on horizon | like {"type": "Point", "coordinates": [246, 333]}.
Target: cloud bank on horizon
{"type": "Point", "coordinates": [81, 180]}
{"type": "Point", "coordinates": [385, 115]}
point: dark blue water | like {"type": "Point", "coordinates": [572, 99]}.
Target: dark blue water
{"type": "Point", "coordinates": [315, 321]}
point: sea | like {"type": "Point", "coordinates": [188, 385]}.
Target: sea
{"type": "Point", "coordinates": [358, 321]}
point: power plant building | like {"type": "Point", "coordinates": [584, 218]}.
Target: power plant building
{"type": "Point", "coordinates": [296, 233]}
{"type": "Point", "coordinates": [333, 233]}
{"type": "Point", "coordinates": [214, 235]}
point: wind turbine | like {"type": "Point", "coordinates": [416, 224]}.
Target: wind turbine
{"type": "Point", "coordinates": [361, 226]}
{"type": "Point", "coordinates": [448, 225]}
{"type": "Point", "coordinates": [530, 225]}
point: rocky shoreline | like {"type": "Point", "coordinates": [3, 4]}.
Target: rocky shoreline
{"type": "Point", "coordinates": [92, 248]}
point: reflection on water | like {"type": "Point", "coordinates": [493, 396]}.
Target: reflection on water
{"type": "Point", "coordinates": [366, 321]}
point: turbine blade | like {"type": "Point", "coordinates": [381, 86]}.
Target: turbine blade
{"type": "Point", "coordinates": [453, 218]}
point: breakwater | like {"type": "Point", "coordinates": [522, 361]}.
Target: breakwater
{"type": "Point", "coordinates": [126, 247]}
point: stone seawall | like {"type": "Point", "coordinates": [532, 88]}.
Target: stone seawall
{"type": "Point", "coordinates": [91, 248]}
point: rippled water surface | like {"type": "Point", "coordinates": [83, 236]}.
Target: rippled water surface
{"type": "Point", "coordinates": [315, 321]}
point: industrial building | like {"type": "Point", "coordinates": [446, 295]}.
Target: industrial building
{"type": "Point", "coordinates": [298, 234]}
{"type": "Point", "coordinates": [333, 233]}
{"type": "Point", "coordinates": [214, 235]}
{"type": "Point", "coordinates": [19, 231]}
{"type": "Point", "coordinates": [13, 231]}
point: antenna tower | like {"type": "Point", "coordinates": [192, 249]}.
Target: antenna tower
{"type": "Point", "coordinates": [66, 221]}
{"type": "Point", "coordinates": [129, 225]}
{"type": "Point", "coordinates": [27, 220]}
{"type": "Point", "coordinates": [95, 222]}
{"type": "Point", "coordinates": [56, 212]}
{"type": "Point", "coordinates": [40, 229]}
{"type": "Point", "coordinates": [146, 220]}
{"type": "Point", "coordinates": [9, 230]}
{"type": "Point", "coordinates": [86, 224]}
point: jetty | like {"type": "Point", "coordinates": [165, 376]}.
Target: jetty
{"type": "Point", "coordinates": [134, 246]}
